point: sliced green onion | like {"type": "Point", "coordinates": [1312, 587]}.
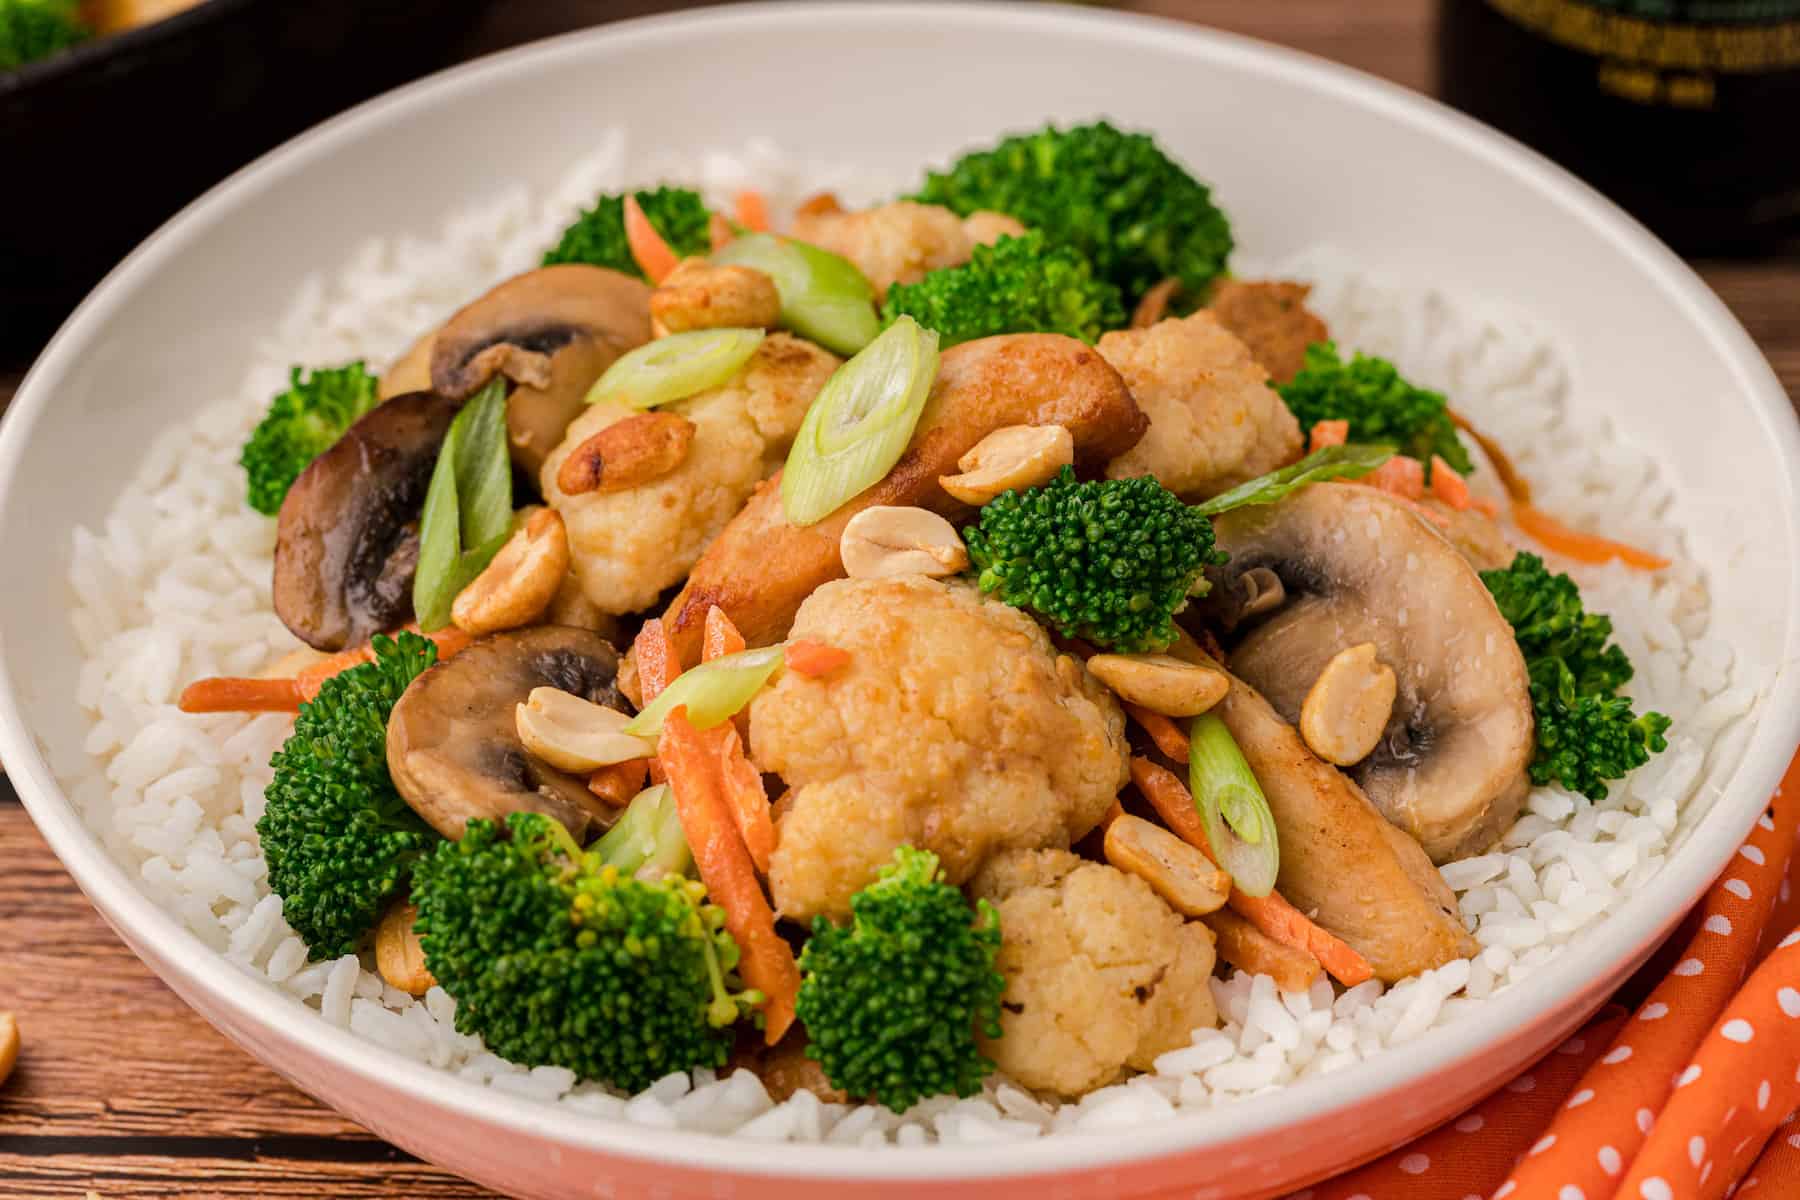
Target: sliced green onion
{"type": "Point", "coordinates": [1239, 827]}
{"type": "Point", "coordinates": [468, 507]}
{"type": "Point", "coordinates": [647, 841]}
{"type": "Point", "coordinates": [712, 691]}
{"type": "Point", "coordinates": [823, 296]}
{"type": "Point", "coordinates": [676, 367]}
{"type": "Point", "coordinates": [1328, 462]}
{"type": "Point", "coordinates": [859, 424]}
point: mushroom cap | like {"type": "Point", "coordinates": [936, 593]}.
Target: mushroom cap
{"type": "Point", "coordinates": [453, 746]}
{"type": "Point", "coordinates": [347, 539]}
{"type": "Point", "coordinates": [552, 332]}
{"type": "Point", "coordinates": [1357, 566]}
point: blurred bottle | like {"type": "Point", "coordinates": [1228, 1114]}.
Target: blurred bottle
{"type": "Point", "coordinates": [1686, 112]}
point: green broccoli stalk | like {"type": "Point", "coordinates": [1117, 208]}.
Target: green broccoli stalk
{"type": "Point", "coordinates": [338, 838]}
{"type": "Point", "coordinates": [597, 237]}
{"type": "Point", "coordinates": [1110, 561]}
{"type": "Point", "coordinates": [302, 423]}
{"type": "Point", "coordinates": [1132, 211]}
{"type": "Point", "coordinates": [34, 29]}
{"type": "Point", "coordinates": [1380, 405]}
{"type": "Point", "coordinates": [1586, 733]}
{"type": "Point", "coordinates": [892, 1003]}
{"type": "Point", "coordinates": [1017, 285]}
{"type": "Point", "coordinates": [557, 958]}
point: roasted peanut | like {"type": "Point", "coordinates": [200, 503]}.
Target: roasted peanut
{"type": "Point", "coordinates": [399, 955]}
{"type": "Point", "coordinates": [1019, 456]}
{"type": "Point", "coordinates": [1161, 683]}
{"type": "Point", "coordinates": [1176, 871]}
{"type": "Point", "coordinates": [884, 541]}
{"type": "Point", "coordinates": [576, 735]}
{"type": "Point", "coordinates": [627, 454]}
{"type": "Point", "coordinates": [699, 295]}
{"type": "Point", "coordinates": [9, 1044]}
{"type": "Point", "coordinates": [516, 588]}
{"type": "Point", "coordinates": [1349, 705]}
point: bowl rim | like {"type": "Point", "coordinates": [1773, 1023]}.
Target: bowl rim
{"type": "Point", "coordinates": [1626, 934]}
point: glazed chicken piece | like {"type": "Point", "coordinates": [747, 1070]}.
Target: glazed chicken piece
{"type": "Point", "coordinates": [1100, 973]}
{"type": "Point", "coordinates": [1269, 316]}
{"type": "Point", "coordinates": [1214, 420]}
{"type": "Point", "coordinates": [955, 727]}
{"type": "Point", "coordinates": [627, 546]}
{"type": "Point", "coordinates": [901, 242]}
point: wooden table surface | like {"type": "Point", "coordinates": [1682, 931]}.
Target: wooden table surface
{"type": "Point", "coordinates": [124, 1091]}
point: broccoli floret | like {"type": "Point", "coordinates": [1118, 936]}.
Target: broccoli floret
{"type": "Point", "coordinates": [34, 29]}
{"type": "Point", "coordinates": [301, 424]}
{"type": "Point", "coordinates": [1380, 405]}
{"type": "Point", "coordinates": [557, 958]}
{"type": "Point", "coordinates": [1136, 214]}
{"type": "Point", "coordinates": [1586, 734]}
{"type": "Point", "coordinates": [892, 1003]}
{"type": "Point", "coordinates": [338, 837]}
{"type": "Point", "coordinates": [1016, 285]}
{"type": "Point", "coordinates": [597, 237]}
{"type": "Point", "coordinates": [1110, 561]}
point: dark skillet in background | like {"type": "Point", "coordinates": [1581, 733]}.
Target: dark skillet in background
{"type": "Point", "coordinates": [102, 143]}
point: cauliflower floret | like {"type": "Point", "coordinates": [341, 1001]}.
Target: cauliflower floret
{"type": "Point", "coordinates": [1100, 973]}
{"type": "Point", "coordinates": [955, 727]}
{"type": "Point", "coordinates": [628, 546]}
{"type": "Point", "coordinates": [900, 242]}
{"type": "Point", "coordinates": [1214, 420]}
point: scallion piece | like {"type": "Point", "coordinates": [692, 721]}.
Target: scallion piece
{"type": "Point", "coordinates": [1239, 827]}
{"type": "Point", "coordinates": [1328, 462]}
{"type": "Point", "coordinates": [712, 692]}
{"type": "Point", "coordinates": [647, 841]}
{"type": "Point", "coordinates": [860, 422]}
{"type": "Point", "coordinates": [468, 507]}
{"type": "Point", "coordinates": [823, 296]}
{"type": "Point", "coordinates": [676, 367]}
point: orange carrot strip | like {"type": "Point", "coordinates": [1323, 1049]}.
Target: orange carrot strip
{"type": "Point", "coordinates": [752, 211]}
{"type": "Point", "coordinates": [721, 636]}
{"type": "Point", "coordinates": [1448, 486]}
{"type": "Point", "coordinates": [719, 231]}
{"type": "Point", "coordinates": [1165, 733]}
{"type": "Point", "coordinates": [742, 786]}
{"type": "Point", "coordinates": [1328, 433]}
{"type": "Point", "coordinates": [726, 868]}
{"type": "Point", "coordinates": [1552, 534]}
{"type": "Point", "coordinates": [1403, 476]}
{"type": "Point", "coordinates": [449, 640]}
{"type": "Point", "coordinates": [229, 694]}
{"type": "Point", "coordinates": [657, 665]}
{"type": "Point", "coordinates": [1485, 506]}
{"type": "Point", "coordinates": [1517, 489]}
{"type": "Point", "coordinates": [618, 783]}
{"type": "Point", "coordinates": [1271, 913]}
{"type": "Point", "coordinates": [819, 204]}
{"type": "Point", "coordinates": [814, 659]}
{"type": "Point", "coordinates": [647, 246]}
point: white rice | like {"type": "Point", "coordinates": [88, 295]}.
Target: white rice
{"type": "Point", "coordinates": [175, 586]}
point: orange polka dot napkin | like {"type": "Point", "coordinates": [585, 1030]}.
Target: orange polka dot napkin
{"type": "Point", "coordinates": [1691, 1097]}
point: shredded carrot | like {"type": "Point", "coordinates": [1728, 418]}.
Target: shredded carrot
{"type": "Point", "coordinates": [229, 694]}
{"type": "Point", "coordinates": [814, 659]}
{"type": "Point", "coordinates": [1165, 733]}
{"type": "Point", "coordinates": [728, 871]}
{"type": "Point", "coordinates": [1448, 486]}
{"type": "Point", "coordinates": [1517, 489]}
{"type": "Point", "coordinates": [721, 636]}
{"type": "Point", "coordinates": [742, 787]}
{"type": "Point", "coordinates": [819, 204]}
{"type": "Point", "coordinates": [719, 231]}
{"type": "Point", "coordinates": [1403, 476]}
{"type": "Point", "coordinates": [618, 783]}
{"type": "Point", "coordinates": [752, 210]}
{"type": "Point", "coordinates": [1271, 914]}
{"type": "Point", "coordinates": [649, 250]}
{"type": "Point", "coordinates": [1552, 534]}
{"type": "Point", "coordinates": [1485, 506]}
{"type": "Point", "coordinates": [1327, 433]}
{"type": "Point", "coordinates": [449, 640]}
{"type": "Point", "coordinates": [657, 665]}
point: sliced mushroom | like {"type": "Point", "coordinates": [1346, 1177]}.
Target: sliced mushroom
{"type": "Point", "coordinates": [551, 332]}
{"type": "Point", "coordinates": [347, 541]}
{"type": "Point", "coordinates": [453, 744]}
{"type": "Point", "coordinates": [1358, 566]}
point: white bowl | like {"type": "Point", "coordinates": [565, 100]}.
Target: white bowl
{"type": "Point", "coordinates": [1300, 152]}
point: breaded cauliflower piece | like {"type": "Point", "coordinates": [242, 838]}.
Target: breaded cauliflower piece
{"type": "Point", "coordinates": [902, 241]}
{"type": "Point", "coordinates": [628, 546]}
{"type": "Point", "coordinates": [1214, 420]}
{"type": "Point", "coordinates": [956, 727]}
{"type": "Point", "coordinates": [1101, 974]}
